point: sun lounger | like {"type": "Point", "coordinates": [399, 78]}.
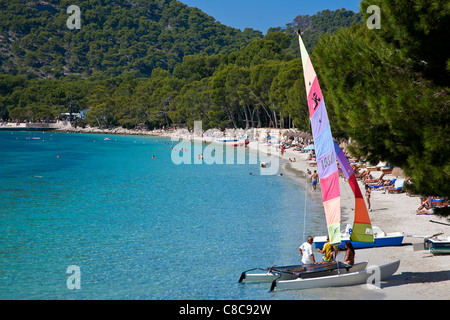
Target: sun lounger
{"type": "Point", "coordinates": [398, 186]}
{"type": "Point", "coordinates": [387, 169]}
{"type": "Point", "coordinates": [436, 202]}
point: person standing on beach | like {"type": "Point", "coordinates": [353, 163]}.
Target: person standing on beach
{"type": "Point", "coordinates": [314, 178]}
{"type": "Point", "coordinates": [306, 251]}
{"type": "Point", "coordinates": [368, 192]}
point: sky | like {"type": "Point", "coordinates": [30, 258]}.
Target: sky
{"type": "Point", "coordinates": [264, 14]}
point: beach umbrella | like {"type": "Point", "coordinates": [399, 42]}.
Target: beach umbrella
{"type": "Point", "coordinates": [398, 172]}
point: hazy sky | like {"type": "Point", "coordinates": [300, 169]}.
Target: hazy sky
{"type": "Point", "coordinates": [263, 14]}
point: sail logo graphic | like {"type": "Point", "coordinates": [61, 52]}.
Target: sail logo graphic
{"type": "Point", "coordinates": [316, 100]}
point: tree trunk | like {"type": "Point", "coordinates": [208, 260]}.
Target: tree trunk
{"type": "Point", "coordinates": [275, 123]}
{"type": "Point", "coordinates": [246, 116]}
{"type": "Point", "coordinates": [259, 119]}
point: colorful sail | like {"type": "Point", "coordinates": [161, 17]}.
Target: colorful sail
{"type": "Point", "coordinates": [324, 148]}
{"type": "Point", "coordinates": [362, 227]}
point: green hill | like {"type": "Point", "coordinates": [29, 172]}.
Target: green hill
{"type": "Point", "coordinates": [127, 36]}
{"type": "Point", "coordinates": [116, 37]}
{"type": "Point", "coordinates": [151, 63]}
{"type": "Point", "coordinates": [315, 26]}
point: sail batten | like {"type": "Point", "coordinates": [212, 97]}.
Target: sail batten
{"type": "Point", "coordinates": [324, 148]}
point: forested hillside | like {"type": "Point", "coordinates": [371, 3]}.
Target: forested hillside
{"type": "Point", "coordinates": [315, 26]}
{"type": "Point", "coordinates": [116, 37]}
{"type": "Point", "coordinates": [152, 63]}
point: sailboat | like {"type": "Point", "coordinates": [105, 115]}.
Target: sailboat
{"type": "Point", "coordinates": [327, 151]}
{"type": "Point", "coordinates": [327, 155]}
{"type": "Point", "coordinates": [300, 271]}
{"type": "Point", "coordinates": [363, 234]}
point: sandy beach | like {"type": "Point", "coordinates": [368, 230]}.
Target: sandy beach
{"type": "Point", "coordinates": [421, 275]}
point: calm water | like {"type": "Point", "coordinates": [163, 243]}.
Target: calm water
{"type": "Point", "coordinates": [138, 227]}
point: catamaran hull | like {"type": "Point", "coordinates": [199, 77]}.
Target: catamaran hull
{"type": "Point", "coordinates": [270, 276]}
{"type": "Point", "coordinates": [347, 279]}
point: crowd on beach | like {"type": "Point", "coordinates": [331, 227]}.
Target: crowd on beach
{"type": "Point", "coordinates": [388, 182]}
{"type": "Point", "coordinates": [282, 140]}
{"type": "Point", "coordinates": [377, 179]}
{"type": "Point", "coordinates": [429, 203]}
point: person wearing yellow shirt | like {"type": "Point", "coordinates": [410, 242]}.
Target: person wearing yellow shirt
{"type": "Point", "coordinates": [327, 251]}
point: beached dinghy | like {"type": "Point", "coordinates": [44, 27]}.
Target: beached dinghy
{"type": "Point", "coordinates": [381, 239]}
{"type": "Point", "coordinates": [438, 244]}
{"type": "Point", "coordinates": [339, 280]}
{"type": "Point", "coordinates": [303, 271]}
{"type": "Point", "coordinates": [362, 234]}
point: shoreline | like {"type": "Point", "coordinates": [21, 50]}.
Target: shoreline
{"type": "Point", "coordinates": [421, 275]}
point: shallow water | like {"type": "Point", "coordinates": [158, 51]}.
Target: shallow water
{"type": "Point", "coordinates": [140, 227]}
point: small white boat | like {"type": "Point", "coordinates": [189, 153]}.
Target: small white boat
{"type": "Point", "coordinates": [437, 244]}
{"type": "Point", "coordinates": [303, 271]}
{"type": "Point", "coordinates": [339, 280]}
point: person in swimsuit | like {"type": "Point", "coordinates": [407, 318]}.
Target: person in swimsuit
{"type": "Point", "coordinates": [350, 254]}
{"type": "Point", "coordinates": [368, 191]}
{"type": "Point", "coordinates": [314, 177]}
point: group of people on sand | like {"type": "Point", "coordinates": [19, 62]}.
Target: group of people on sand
{"type": "Point", "coordinates": [380, 183]}
{"type": "Point", "coordinates": [329, 252]}
{"type": "Point", "coordinates": [429, 203]}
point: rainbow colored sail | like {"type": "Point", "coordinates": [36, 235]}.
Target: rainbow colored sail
{"type": "Point", "coordinates": [362, 227]}
{"type": "Point", "coordinates": [324, 148]}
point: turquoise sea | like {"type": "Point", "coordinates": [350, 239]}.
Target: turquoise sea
{"type": "Point", "coordinates": [140, 227]}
